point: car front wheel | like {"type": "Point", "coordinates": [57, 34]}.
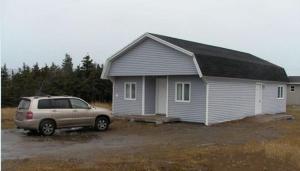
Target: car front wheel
{"type": "Point", "coordinates": [47, 128]}
{"type": "Point", "coordinates": [101, 124]}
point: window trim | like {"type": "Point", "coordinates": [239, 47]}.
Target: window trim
{"type": "Point", "coordinates": [282, 90]}
{"type": "Point", "coordinates": [130, 90]}
{"type": "Point", "coordinates": [182, 95]}
{"type": "Point", "coordinates": [293, 88]}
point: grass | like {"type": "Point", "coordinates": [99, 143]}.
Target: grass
{"type": "Point", "coordinates": [282, 153]}
{"type": "Point", "coordinates": [7, 117]}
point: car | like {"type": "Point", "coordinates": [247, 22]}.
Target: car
{"type": "Point", "coordinates": [45, 114]}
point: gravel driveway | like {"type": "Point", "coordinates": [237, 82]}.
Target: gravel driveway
{"type": "Point", "coordinates": [127, 137]}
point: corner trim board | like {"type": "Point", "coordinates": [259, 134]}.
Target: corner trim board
{"type": "Point", "coordinates": [206, 105]}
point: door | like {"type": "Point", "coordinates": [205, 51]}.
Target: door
{"type": "Point", "coordinates": [83, 114]}
{"type": "Point", "coordinates": [161, 95]}
{"type": "Point", "coordinates": [258, 99]}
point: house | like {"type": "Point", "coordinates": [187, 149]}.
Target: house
{"type": "Point", "coordinates": [157, 74]}
{"type": "Point", "coordinates": [293, 93]}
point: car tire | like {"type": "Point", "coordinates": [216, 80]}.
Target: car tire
{"type": "Point", "coordinates": [47, 127]}
{"type": "Point", "coordinates": [101, 124]}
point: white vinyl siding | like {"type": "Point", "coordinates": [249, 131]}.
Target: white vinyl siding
{"type": "Point", "coordinates": [122, 106]}
{"type": "Point", "coordinates": [231, 99]}
{"type": "Point", "coordinates": [194, 111]}
{"type": "Point", "coordinates": [152, 58]}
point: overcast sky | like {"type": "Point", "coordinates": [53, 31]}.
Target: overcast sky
{"type": "Point", "coordinates": [43, 31]}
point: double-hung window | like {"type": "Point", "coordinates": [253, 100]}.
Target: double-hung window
{"type": "Point", "coordinates": [182, 92]}
{"type": "Point", "coordinates": [292, 88]}
{"type": "Point", "coordinates": [129, 90]}
{"type": "Point", "coordinates": [280, 92]}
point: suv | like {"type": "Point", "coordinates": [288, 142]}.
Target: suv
{"type": "Point", "coordinates": [45, 114]}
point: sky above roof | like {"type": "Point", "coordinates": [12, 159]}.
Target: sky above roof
{"type": "Point", "coordinates": [43, 31]}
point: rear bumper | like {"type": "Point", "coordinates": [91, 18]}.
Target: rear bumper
{"type": "Point", "coordinates": [27, 124]}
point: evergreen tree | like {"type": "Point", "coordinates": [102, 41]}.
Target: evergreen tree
{"type": "Point", "coordinates": [67, 65]}
{"type": "Point", "coordinates": [83, 82]}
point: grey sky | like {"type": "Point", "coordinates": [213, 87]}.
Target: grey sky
{"type": "Point", "coordinates": [43, 31]}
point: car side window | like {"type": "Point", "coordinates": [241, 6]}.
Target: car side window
{"type": "Point", "coordinates": [61, 104]}
{"type": "Point", "coordinates": [44, 104]}
{"type": "Point", "coordinates": [78, 104]}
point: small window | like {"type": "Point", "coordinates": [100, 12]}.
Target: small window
{"type": "Point", "coordinates": [292, 88]}
{"type": "Point", "coordinates": [61, 104]}
{"type": "Point", "coordinates": [24, 104]}
{"type": "Point", "coordinates": [44, 104]}
{"type": "Point", "coordinates": [183, 92]}
{"type": "Point", "coordinates": [280, 92]}
{"type": "Point", "coordinates": [78, 104]}
{"type": "Point", "coordinates": [130, 91]}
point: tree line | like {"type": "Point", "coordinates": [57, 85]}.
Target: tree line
{"type": "Point", "coordinates": [84, 81]}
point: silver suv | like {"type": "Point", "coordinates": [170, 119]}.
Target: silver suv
{"type": "Point", "coordinates": [45, 114]}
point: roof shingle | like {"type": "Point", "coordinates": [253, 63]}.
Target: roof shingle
{"type": "Point", "coordinates": [222, 62]}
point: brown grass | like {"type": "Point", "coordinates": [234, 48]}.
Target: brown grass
{"type": "Point", "coordinates": [104, 105]}
{"type": "Point", "coordinates": [282, 153]}
{"type": "Point", "coordinates": [7, 117]}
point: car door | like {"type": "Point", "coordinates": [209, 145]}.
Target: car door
{"type": "Point", "coordinates": [62, 112]}
{"type": "Point", "coordinates": [83, 112]}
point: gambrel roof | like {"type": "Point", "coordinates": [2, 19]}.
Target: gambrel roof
{"type": "Point", "coordinates": [216, 61]}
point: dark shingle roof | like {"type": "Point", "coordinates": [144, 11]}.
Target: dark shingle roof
{"type": "Point", "coordinates": [222, 62]}
{"type": "Point", "coordinates": [294, 78]}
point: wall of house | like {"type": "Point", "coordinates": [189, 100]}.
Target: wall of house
{"type": "Point", "coordinates": [152, 58]}
{"type": "Point", "coordinates": [293, 97]}
{"type": "Point", "coordinates": [122, 106]}
{"type": "Point", "coordinates": [150, 87]}
{"type": "Point", "coordinates": [231, 99]}
{"type": "Point", "coordinates": [193, 111]}
{"type": "Point", "coordinates": [270, 103]}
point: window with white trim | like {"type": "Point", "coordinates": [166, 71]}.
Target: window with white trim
{"type": "Point", "coordinates": [292, 88]}
{"type": "Point", "coordinates": [182, 92]}
{"type": "Point", "coordinates": [280, 92]}
{"type": "Point", "coordinates": [129, 90]}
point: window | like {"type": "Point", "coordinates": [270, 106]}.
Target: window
{"type": "Point", "coordinates": [280, 92]}
{"type": "Point", "coordinates": [182, 92]}
{"type": "Point", "coordinates": [292, 88]}
{"type": "Point", "coordinates": [44, 104]}
{"type": "Point", "coordinates": [130, 91]}
{"type": "Point", "coordinates": [24, 104]}
{"type": "Point", "coordinates": [79, 104]}
{"type": "Point", "coordinates": [60, 103]}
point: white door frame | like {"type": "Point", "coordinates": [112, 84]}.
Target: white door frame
{"type": "Point", "coordinates": [157, 101]}
{"type": "Point", "coordinates": [258, 98]}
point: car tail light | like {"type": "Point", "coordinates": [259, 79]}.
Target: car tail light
{"type": "Point", "coordinates": [29, 115]}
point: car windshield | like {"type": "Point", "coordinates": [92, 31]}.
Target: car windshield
{"type": "Point", "coordinates": [24, 104]}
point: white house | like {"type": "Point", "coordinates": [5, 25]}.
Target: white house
{"type": "Point", "coordinates": [193, 81]}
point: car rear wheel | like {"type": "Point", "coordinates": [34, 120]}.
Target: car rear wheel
{"type": "Point", "coordinates": [101, 124]}
{"type": "Point", "coordinates": [47, 128]}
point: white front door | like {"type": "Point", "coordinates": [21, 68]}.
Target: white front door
{"type": "Point", "coordinates": [258, 99]}
{"type": "Point", "coordinates": [161, 95]}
